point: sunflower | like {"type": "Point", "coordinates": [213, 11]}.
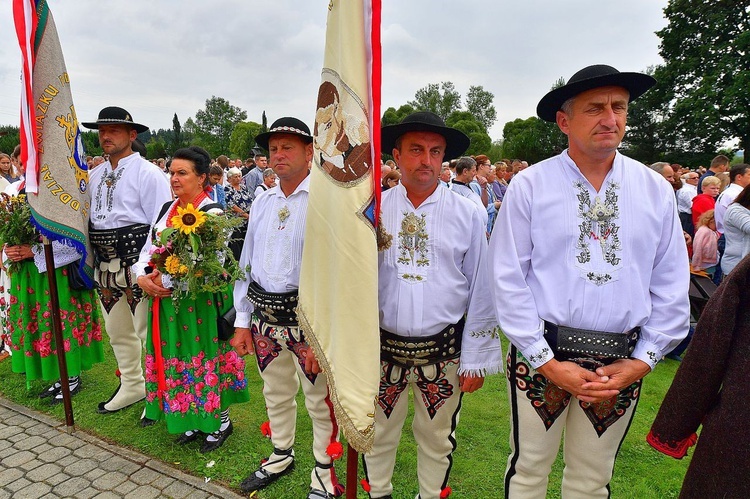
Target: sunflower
{"type": "Point", "coordinates": [188, 219]}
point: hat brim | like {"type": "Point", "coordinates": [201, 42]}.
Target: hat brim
{"type": "Point", "coordinates": [635, 83]}
{"type": "Point", "coordinates": [136, 126]}
{"type": "Point", "coordinates": [262, 138]}
{"type": "Point", "coordinates": [456, 141]}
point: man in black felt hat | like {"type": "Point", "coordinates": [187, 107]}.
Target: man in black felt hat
{"type": "Point", "coordinates": [589, 249]}
{"type": "Point", "coordinates": [266, 322]}
{"type": "Point", "coordinates": [439, 335]}
{"type": "Point", "coordinates": [127, 193]}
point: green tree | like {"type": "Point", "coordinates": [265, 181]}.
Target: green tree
{"type": "Point", "coordinates": [467, 123]}
{"type": "Point", "coordinates": [393, 116]}
{"type": "Point", "coordinates": [243, 138]}
{"type": "Point", "coordinates": [214, 124]}
{"type": "Point", "coordinates": [9, 138]}
{"type": "Point", "coordinates": [156, 148]}
{"type": "Point", "coordinates": [90, 141]}
{"type": "Point", "coordinates": [706, 75]}
{"type": "Point", "coordinates": [441, 99]}
{"type": "Point", "coordinates": [532, 139]}
{"type": "Point", "coordinates": [479, 103]}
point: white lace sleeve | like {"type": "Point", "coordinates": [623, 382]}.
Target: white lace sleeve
{"type": "Point", "coordinates": [63, 254]}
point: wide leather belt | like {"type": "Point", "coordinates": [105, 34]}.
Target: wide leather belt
{"type": "Point", "coordinates": [123, 243]}
{"type": "Point", "coordinates": [409, 351]}
{"type": "Point", "coordinates": [273, 308]}
{"type": "Point", "coordinates": [599, 347]}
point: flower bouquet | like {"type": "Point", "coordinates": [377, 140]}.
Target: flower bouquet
{"type": "Point", "coordinates": [193, 252]}
{"type": "Point", "coordinates": [15, 224]}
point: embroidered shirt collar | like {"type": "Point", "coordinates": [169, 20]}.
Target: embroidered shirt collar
{"type": "Point", "coordinates": [432, 198]}
{"type": "Point", "coordinates": [614, 174]}
{"type": "Point", "coordinates": [303, 186]}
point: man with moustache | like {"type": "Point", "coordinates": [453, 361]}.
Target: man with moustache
{"type": "Point", "coordinates": [589, 247]}
{"type": "Point", "coordinates": [437, 256]}
{"type": "Point", "coordinates": [127, 193]}
{"type": "Point", "coordinates": [273, 253]}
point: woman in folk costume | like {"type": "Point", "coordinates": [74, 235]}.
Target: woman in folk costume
{"type": "Point", "coordinates": [192, 377]}
{"type": "Point", "coordinates": [29, 318]}
{"type": "Point", "coordinates": [710, 390]}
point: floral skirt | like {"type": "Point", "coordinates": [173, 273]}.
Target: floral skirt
{"type": "Point", "coordinates": [30, 325]}
{"type": "Point", "coordinates": [202, 375]}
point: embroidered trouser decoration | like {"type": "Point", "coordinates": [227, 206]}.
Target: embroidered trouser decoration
{"type": "Point", "coordinates": [436, 412]}
{"type": "Point", "coordinates": [111, 287]}
{"type": "Point", "coordinates": [540, 412]}
{"type": "Point", "coordinates": [279, 351]}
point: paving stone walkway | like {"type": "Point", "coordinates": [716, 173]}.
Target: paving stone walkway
{"type": "Point", "coordinates": [39, 458]}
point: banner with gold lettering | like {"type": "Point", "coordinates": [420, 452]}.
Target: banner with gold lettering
{"type": "Point", "coordinates": [338, 293]}
{"type": "Point", "coordinates": [51, 148]}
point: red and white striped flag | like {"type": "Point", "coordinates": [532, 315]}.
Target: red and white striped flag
{"type": "Point", "coordinates": [338, 304]}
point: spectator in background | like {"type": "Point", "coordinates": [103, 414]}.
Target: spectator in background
{"type": "Point", "coordinates": [707, 200]}
{"type": "Point", "coordinates": [215, 177]}
{"type": "Point", "coordinates": [719, 164]}
{"type": "Point", "coordinates": [255, 176]}
{"type": "Point", "coordinates": [736, 231]}
{"type": "Point", "coordinates": [238, 203]}
{"type": "Point", "coordinates": [685, 195]}
{"type": "Point", "coordinates": [391, 180]}
{"type": "Point", "coordinates": [705, 249]}
{"type": "Point", "coordinates": [739, 177]}
{"type": "Point", "coordinates": [269, 180]}
{"type": "Point", "coordinates": [6, 169]}
{"type": "Point", "coordinates": [445, 175]}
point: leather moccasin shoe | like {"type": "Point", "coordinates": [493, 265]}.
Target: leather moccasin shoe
{"type": "Point", "coordinates": [220, 436]}
{"type": "Point", "coordinates": [261, 478]}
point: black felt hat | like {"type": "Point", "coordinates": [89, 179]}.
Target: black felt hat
{"type": "Point", "coordinates": [590, 77]}
{"type": "Point", "coordinates": [115, 116]}
{"type": "Point", "coordinates": [424, 121]}
{"type": "Point", "coordinates": [288, 125]}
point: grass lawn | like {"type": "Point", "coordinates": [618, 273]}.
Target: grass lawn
{"type": "Point", "coordinates": [479, 461]}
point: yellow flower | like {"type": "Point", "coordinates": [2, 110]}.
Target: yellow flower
{"type": "Point", "coordinates": [183, 269]}
{"type": "Point", "coordinates": [172, 265]}
{"type": "Point", "coordinates": [188, 219]}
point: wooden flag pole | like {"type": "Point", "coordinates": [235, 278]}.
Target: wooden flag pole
{"type": "Point", "coordinates": [352, 467]}
{"type": "Point", "coordinates": [57, 329]}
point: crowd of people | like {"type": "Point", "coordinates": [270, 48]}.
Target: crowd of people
{"type": "Point", "coordinates": [592, 246]}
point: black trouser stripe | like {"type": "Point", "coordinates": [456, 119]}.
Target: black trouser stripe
{"type": "Point", "coordinates": [514, 416]}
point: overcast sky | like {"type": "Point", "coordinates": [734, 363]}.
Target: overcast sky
{"type": "Point", "coordinates": [160, 57]}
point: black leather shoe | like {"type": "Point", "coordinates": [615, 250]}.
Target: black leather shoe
{"type": "Point", "coordinates": [186, 439]}
{"type": "Point", "coordinates": [144, 422]}
{"type": "Point", "coordinates": [58, 398]}
{"type": "Point", "coordinates": [254, 482]}
{"type": "Point", "coordinates": [51, 391]}
{"type": "Point", "coordinates": [209, 445]}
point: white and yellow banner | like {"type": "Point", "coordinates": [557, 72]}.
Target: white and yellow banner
{"type": "Point", "coordinates": [338, 303]}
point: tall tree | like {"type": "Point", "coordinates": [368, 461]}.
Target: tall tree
{"type": "Point", "coordinates": [243, 138]}
{"type": "Point", "coordinates": [393, 116]}
{"type": "Point", "coordinates": [532, 139]}
{"type": "Point", "coordinates": [214, 125]}
{"type": "Point", "coordinates": [480, 141]}
{"type": "Point", "coordinates": [706, 49]}
{"type": "Point", "coordinates": [9, 138]}
{"type": "Point", "coordinates": [479, 103]}
{"type": "Point", "coordinates": [441, 99]}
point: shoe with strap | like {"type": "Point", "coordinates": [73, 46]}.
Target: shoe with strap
{"type": "Point", "coordinates": [261, 478]}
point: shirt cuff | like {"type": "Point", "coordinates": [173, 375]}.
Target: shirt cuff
{"type": "Point", "coordinates": [539, 353]}
{"type": "Point", "coordinates": [243, 319]}
{"type": "Point", "coordinates": [647, 352]}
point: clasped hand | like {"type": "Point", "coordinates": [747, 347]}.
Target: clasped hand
{"type": "Point", "coordinates": [593, 387]}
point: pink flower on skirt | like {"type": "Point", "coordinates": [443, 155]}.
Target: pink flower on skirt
{"type": "Point", "coordinates": [211, 379]}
